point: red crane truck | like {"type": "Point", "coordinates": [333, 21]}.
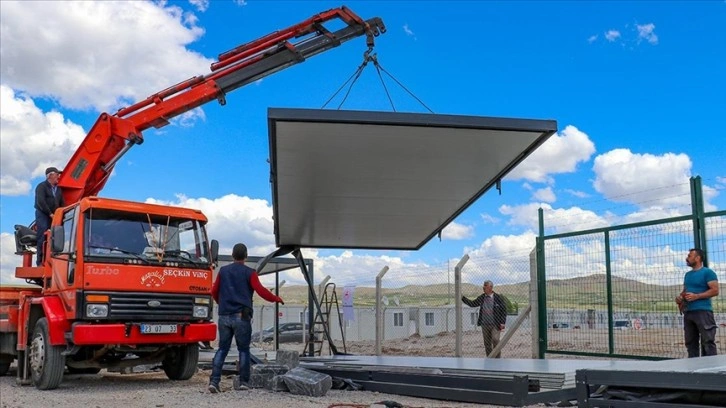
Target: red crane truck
{"type": "Point", "coordinates": [125, 283]}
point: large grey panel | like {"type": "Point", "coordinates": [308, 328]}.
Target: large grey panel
{"type": "Point", "coordinates": [383, 180]}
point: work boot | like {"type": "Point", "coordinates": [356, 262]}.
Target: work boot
{"type": "Point", "coordinates": [240, 385]}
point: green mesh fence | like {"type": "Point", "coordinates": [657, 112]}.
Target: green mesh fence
{"type": "Point", "coordinates": [610, 292]}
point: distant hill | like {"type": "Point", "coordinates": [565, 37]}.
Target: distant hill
{"type": "Point", "coordinates": [578, 293]}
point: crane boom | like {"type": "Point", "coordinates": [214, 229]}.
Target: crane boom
{"type": "Point", "coordinates": [113, 135]}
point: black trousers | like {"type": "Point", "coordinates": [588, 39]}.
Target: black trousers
{"type": "Point", "coordinates": [700, 325]}
{"type": "Point", "coordinates": [42, 222]}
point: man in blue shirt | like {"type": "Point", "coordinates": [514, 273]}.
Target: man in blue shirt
{"type": "Point", "coordinates": [699, 285]}
{"type": "Point", "coordinates": [233, 290]}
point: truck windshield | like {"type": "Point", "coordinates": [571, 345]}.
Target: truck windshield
{"type": "Point", "coordinates": [144, 238]}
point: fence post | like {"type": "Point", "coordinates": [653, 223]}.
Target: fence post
{"type": "Point", "coordinates": [457, 295]}
{"type": "Point", "coordinates": [541, 287]}
{"type": "Point", "coordinates": [699, 221]}
{"type": "Point", "coordinates": [321, 286]}
{"type": "Point", "coordinates": [609, 289]}
{"type": "Point", "coordinates": [379, 311]}
{"type": "Point", "coordinates": [533, 302]}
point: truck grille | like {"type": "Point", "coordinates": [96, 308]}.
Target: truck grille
{"type": "Point", "coordinates": [150, 306]}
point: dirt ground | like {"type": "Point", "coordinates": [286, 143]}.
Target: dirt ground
{"type": "Point", "coordinates": [111, 390]}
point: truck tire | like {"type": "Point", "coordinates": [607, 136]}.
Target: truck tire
{"type": "Point", "coordinates": [180, 362]}
{"type": "Point", "coordinates": [47, 362]}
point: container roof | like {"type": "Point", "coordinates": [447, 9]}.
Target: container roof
{"type": "Point", "coordinates": [385, 180]}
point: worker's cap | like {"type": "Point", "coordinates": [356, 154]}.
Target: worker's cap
{"type": "Point", "coordinates": [52, 170]}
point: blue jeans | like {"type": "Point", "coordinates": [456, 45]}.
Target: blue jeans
{"type": "Point", "coordinates": [241, 329]}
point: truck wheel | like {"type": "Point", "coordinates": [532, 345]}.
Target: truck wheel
{"type": "Point", "coordinates": [180, 363]}
{"type": "Point", "coordinates": [46, 361]}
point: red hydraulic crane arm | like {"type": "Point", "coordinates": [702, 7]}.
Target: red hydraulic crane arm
{"type": "Point", "coordinates": [113, 135]}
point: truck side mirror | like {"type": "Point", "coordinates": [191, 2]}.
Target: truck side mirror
{"type": "Point", "coordinates": [215, 251]}
{"type": "Point", "coordinates": [57, 239]}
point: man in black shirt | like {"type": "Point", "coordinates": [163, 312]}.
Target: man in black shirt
{"type": "Point", "coordinates": [48, 198]}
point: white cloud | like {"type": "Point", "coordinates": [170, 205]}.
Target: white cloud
{"type": "Point", "coordinates": [408, 31]}
{"type": "Point", "coordinates": [576, 193]}
{"type": "Point", "coordinates": [31, 141]}
{"type": "Point", "coordinates": [647, 32]}
{"type": "Point", "coordinates": [234, 219]}
{"type": "Point", "coordinates": [502, 245]}
{"type": "Point", "coordinates": [592, 39]}
{"type": "Point", "coordinates": [76, 58]}
{"type": "Point", "coordinates": [201, 5]}
{"type": "Point", "coordinates": [240, 2]}
{"type": "Point", "coordinates": [643, 179]}
{"type": "Point", "coordinates": [356, 267]}
{"type": "Point", "coordinates": [559, 154]}
{"type": "Point", "coordinates": [556, 220]}
{"type": "Point", "coordinates": [8, 260]}
{"type": "Point", "coordinates": [489, 219]}
{"type": "Point", "coordinates": [189, 118]}
{"type": "Point", "coordinates": [456, 231]}
{"type": "Point", "coordinates": [545, 194]}
{"type": "Point", "coordinates": [500, 258]}
{"type": "Point", "coordinates": [612, 35]}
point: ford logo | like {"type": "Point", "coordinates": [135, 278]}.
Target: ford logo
{"type": "Point", "coordinates": [153, 303]}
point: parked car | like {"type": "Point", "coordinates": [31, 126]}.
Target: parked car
{"type": "Point", "coordinates": [621, 324]}
{"type": "Point", "coordinates": [287, 333]}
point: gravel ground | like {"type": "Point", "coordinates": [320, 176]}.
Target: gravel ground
{"type": "Point", "coordinates": [111, 390]}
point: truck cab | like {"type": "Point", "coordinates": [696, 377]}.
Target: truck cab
{"type": "Point", "coordinates": [122, 284]}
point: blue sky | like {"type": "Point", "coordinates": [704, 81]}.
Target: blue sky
{"type": "Point", "coordinates": [637, 89]}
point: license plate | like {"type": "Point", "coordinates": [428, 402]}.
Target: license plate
{"type": "Point", "coordinates": [158, 328]}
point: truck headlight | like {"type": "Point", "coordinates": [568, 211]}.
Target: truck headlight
{"type": "Point", "coordinates": [201, 311]}
{"type": "Point", "coordinates": [96, 310]}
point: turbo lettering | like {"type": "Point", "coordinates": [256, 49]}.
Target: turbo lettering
{"type": "Point", "coordinates": [106, 270]}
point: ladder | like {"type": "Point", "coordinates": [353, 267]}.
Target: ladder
{"type": "Point", "coordinates": [321, 324]}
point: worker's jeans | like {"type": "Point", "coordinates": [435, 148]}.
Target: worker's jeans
{"type": "Point", "coordinates": [491, 338]}
{"type": "Point", "coordinates": [42, 224]}
{"type": "Point", "coordinates": [700, 324]}
{"type": "Point", "coordinates": [241, 329]}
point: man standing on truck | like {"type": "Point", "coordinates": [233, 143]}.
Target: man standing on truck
{"type": "Point", "coordinates": [699, 285]}
{"type": "Point", "coordinates": [48, 198]}
{"type": "Point", "coordinates": [233, 290]}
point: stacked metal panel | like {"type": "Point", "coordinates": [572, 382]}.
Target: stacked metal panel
{"type": "Point", "coordinates": [514, 382]}
{"type": "Point", "coordinates": [689, 382]}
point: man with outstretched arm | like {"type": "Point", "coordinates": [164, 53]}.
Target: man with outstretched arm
{"type": "Point", "coordinates": [492, 316]}
{"type": "Point", "coordinates": [233, 291]}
